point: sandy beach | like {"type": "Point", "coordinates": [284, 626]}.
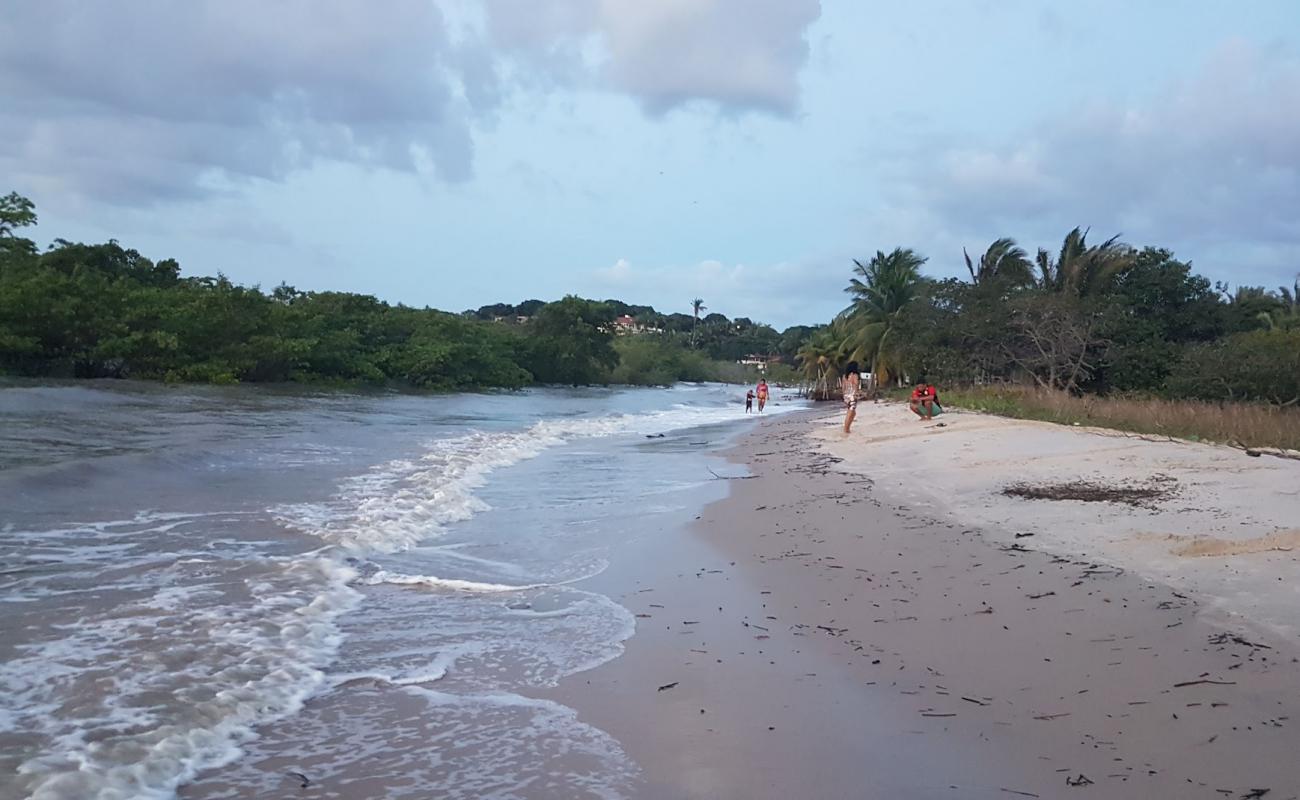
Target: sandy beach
{"type": "Point", "coordinates": [871, 617]}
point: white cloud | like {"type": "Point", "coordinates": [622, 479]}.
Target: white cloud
{"type": "Point", "coordinates": [735, 54]}
{"type": "Point", "coordinates": [138, 101]}
{"type": "Point", "coordinates": [1211, 161]}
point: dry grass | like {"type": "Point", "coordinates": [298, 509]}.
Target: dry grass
{"type": "Point", "coordinates": [1242, 424]}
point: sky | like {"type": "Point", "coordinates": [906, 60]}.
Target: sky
{"type": "Point", "coordinates": [456, 153]}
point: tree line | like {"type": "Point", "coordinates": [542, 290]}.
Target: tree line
{"type": "Point", "coordinates": [1089, 318]}
{"type": "Point", "coordinates": [104, 310]}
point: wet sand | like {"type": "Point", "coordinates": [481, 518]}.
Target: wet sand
{"type": "Point", "coordinates": [819, 635]}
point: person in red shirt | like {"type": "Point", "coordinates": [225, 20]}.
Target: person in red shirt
{"type": "Point", "coordinates": [925, 401]}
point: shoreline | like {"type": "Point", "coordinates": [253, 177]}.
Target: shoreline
{"type": "Point", "coordinates": [823, 632]}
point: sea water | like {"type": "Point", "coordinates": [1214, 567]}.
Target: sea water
{"type": "Point", "coordinates": [216, 592]}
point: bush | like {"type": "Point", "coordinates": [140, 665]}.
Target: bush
{"type": "Point", "coordinates": [1256, 366]}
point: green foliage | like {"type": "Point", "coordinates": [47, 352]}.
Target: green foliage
{"type": "Point", "coordinates": [571, 341]}
{"type": "Point", "coordinates": [102, 310]}
{"type": "Point", "coordinates": [16, 211]}
{"type": "Point", "coordinates": [1100, 319]}
{"type": "Point", "coordinates": [1257, 365]}
{"type": "Point", "coordinates": [882, 289]}
{"type": "Point", "coordinates": [1004, 262]}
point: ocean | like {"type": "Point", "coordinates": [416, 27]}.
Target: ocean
{"type": "Point", "coordinates": [225, 592]}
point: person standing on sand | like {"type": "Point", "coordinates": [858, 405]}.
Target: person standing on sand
{"type": "Point", "coordinates": [749, 401]}
{"type": "Point", "coordinates": [762, 394]}
{"type": "Point", "coordinates": [925, 401]}
{"type": "Point", "coordinates": [850, 387]}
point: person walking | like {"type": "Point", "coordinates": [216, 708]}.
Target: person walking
{"type": "Point", "coordinates": [850, 388]}
{"type": "Point", "coordinates": [762, 394]}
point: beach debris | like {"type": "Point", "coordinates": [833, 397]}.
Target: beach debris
{"type": "Point", "coordinates": [1158, 487]}
{"type": "Point", "coordinates": [1255, 794]}
{"type": "Point", "coordinates": [1023, 535]}
{"type": "Point", "coordinates": [1082, 780]}
{"type": "Point", "coordinates": [730, 477]}
{"type": "Point", "coordinates": [668, 686]}
{"type": "Point", "coordinates": [1016, 791]}
{"type": "Point", "coordinates": [1224, 638]}
{"type": "Point", "coordinates": [654, 436]}
{"type": "Point", "coordinates": [1049, 717]}
{"type": "Point", "coordinates": [1204, 680]}
{"type": "Point", "coordinates": [1040, 596]}
{"type": "Point", "coordinates": [303, 780]}
{"type": "Point", "coordinates": [973, 700]}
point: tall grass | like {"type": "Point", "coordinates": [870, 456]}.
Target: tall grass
{"type": "Point", "coordinates": [1248, 424]}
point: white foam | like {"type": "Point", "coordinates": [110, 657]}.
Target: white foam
{"type": "Point", "coordinates": [405, 502]}
{"type": "Point", "coordinates": [250, 664]}
{"type": "Point", "coordinates": [384, 576]}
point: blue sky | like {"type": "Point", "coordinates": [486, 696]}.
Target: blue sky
{"type": "Point", "coordinates": [466, 152]}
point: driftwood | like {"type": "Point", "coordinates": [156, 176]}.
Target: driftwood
{"type": "Point", "coordinates": [668, 686]}
{"type": "Point", "coordinates": [1224, 638]}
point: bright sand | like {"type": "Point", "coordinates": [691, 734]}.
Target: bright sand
{"type": "Point", "coordinates": [870, 617]}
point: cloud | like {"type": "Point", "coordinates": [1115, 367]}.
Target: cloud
{"type": "Point", "coordinates": [1212, 161]}
{"type": "Point", "coordinates": [138, 100]}
{"type": "Point", "coordinates": [736, 55]}
{"type": "Point", "coordinates": [141, 100]}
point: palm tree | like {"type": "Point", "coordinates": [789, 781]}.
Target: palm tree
{"type": "Point", "coordinates": [884, 287]}
{"type": "Point", "coordinates": [821, 356]}
{"type": "Point", "coordinates": [697, 305]}
{"type": "Point", "coordinates": [1003, 261]}
{"type": "Point", "coordinates": [1081, 269]}
{"type": "Point", "coordinates": [1287, 316]}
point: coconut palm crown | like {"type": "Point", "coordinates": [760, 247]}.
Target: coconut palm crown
{"type": "Point", "coordinates": [1083, 269]}
{"type": "Point", "coordinates": [1004, 261]}
{"type": "Point", "coordinates": [881, 289]}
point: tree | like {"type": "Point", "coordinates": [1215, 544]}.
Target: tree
{"type": "Point", "coordinates": [821, 356]}
{"type": "Point", "coordinates": [16, 212]}
{"type": "Point", "coordinates": [881, 290]}
{"type": "Point", "coordinates": [697, 305]}
{"type": "Point", "coordinates": [1286, 316]}
{"type": "Point", "coordinates": [1003, 262]}
{"type": "Point", "coordinates": [571, 342]}
{"type": "Point", "coordinates": [1081, 269]}
{"type": "Point", "coordinates": [1056, 340]}
{"type": "Point", "coordinates": [1261, 365]}
{"type": "Point", "coordinates": [1155, 308]}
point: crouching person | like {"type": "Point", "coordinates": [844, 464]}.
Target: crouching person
{"type": "Point", "coordinates": [925, 401]}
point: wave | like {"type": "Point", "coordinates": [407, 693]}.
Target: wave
{"type": "Point", "coordinates": [384, 576]}
{"type": "Point", "coordinates": [407, 502]}
{"type": "Point", "coordinates": [245, 665]}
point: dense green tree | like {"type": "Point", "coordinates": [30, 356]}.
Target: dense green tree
{"type": "Point", "coordinates": [571, 341]}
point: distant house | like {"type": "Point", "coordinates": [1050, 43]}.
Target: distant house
{"type": "Point", "coordinates": [631, 325]}
{"type": "Point", "coordinates": [760, 361]}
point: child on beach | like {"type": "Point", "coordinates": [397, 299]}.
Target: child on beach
{"type": "Point", "coordinates": [749, 401]}
{"type": "Point", "coordinates": [925, 401]}
{"type": "Point", "coordinates": [850, 386]}
{"type": "Point", "coordinates": [762, 394]}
